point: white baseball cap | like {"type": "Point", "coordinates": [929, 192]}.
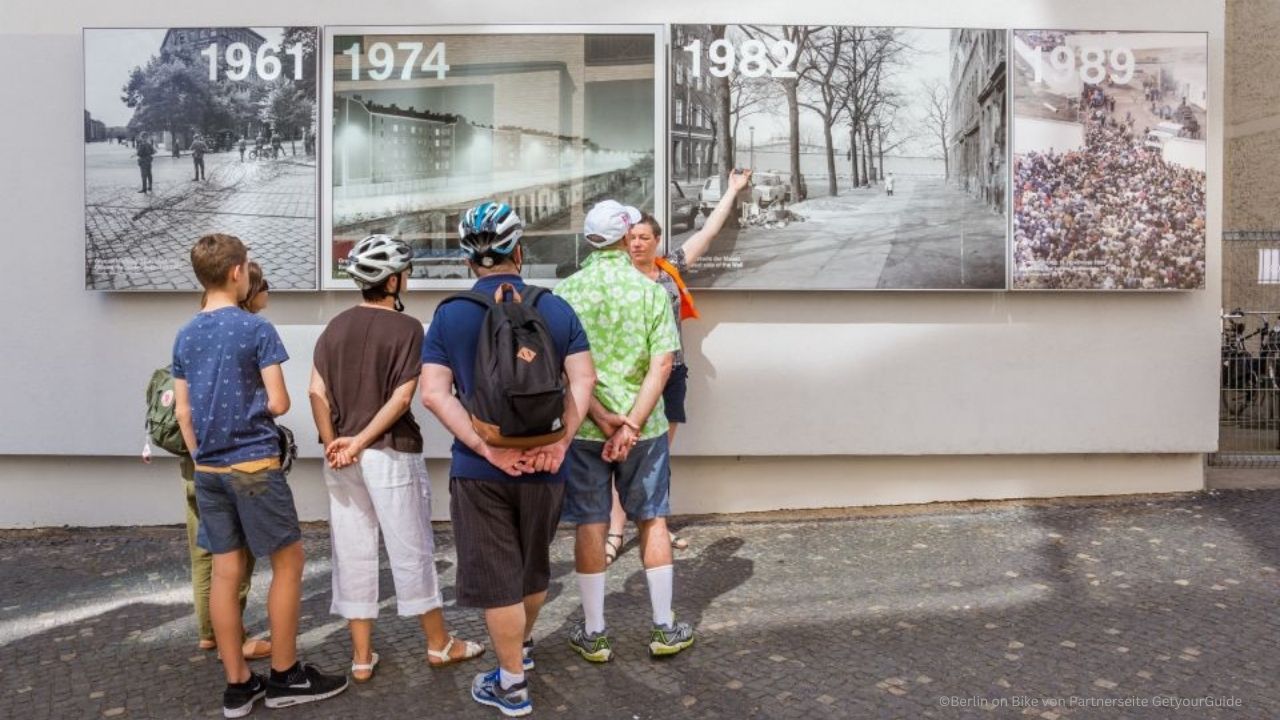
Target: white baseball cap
{"type": "Point", "coordinates": [610, 220]}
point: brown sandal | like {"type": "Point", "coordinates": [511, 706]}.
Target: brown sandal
{"type": "Point", "coordinates": [611, 548]}
{"type": "Point", "coordinates": [256, 649]}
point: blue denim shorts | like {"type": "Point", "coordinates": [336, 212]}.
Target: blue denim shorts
{"type": "Point", "coordinates": [643, 481]}
{"type": "Point", "coordinates": [239, 509]}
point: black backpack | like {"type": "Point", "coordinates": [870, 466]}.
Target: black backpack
{"type": "Point", "coordinates": [518, 396]}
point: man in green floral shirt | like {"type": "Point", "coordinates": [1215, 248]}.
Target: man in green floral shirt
{"type": "Point", "coordinates": [632, 333]}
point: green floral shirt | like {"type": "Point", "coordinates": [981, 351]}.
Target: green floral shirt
{"type": "Point", "coordinates": [628, 320]}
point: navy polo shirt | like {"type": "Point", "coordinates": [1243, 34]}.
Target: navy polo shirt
{"type": "Point", "coordinates": [451, 342]}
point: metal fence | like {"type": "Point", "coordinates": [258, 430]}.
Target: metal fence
{"type": "Point", "coordinates": [1249, 391]}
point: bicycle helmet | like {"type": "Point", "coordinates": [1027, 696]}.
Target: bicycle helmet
{"type": "Point", "coordinates": [489, 232]}
{"type": "Point", "coordinates": [376, 258]}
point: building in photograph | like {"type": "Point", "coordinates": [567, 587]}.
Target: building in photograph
{"type": "Point", "coordinates": [94, 130]}
{"type": "Point", "coordinates": [976, 150]}
{"type": "Point", "coordinates": [692, 112]}
{"type": "Point", "coordinates": [386, 143]}
{"type": "Point", "coordinates": [187, 41]}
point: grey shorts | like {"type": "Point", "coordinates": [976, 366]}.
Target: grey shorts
{"type": "Point", "coordinates": [246, 509]}
{"type": "Point", "coordinates": [643, 481]}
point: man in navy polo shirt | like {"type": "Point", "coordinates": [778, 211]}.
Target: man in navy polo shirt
{"type": "Point", "coordinates": [505, 503]}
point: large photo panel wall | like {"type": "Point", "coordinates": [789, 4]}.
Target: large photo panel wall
{"type": "Point", "coordinates": [878, 155]}
{"type": "Point", "coordinates": [427, 122]}
{"type": "Point", "coordinates": [195, 130]}
{"type": "Point", "coordinates": [1109, 160]}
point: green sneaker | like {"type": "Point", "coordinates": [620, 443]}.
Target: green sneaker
{"type": "Point", "coordinates": [595, 647]}
{"type": "Point", "coordinates": [670, 639]}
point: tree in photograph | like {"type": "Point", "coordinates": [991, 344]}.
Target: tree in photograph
{"type": "Point", "coordinates": [289, 111]}
{"type": "Point", "coordinates": [825, 85]}
{"type": "Point", "coordinates": [871, 56]}
{"type": "Point", "coordinates": [306, 37]}
{"type": "Point", "coordinates": [890, 131]}
{"type": "Point", "coordinates": [937, 117]}
{"type": "Point", "coordinates": [749, 96]}
{"type": "Point", "coordinates": [723, 114]}
{"type": "Point", "coordinates": [797, 35]}
{"type": "Point", "coordinates": [172, 93]}
{"type": "Point", "coordinates": [240, 104]}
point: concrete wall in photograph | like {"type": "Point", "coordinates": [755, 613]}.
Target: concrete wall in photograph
{"type": "Point", "coordinates": [796, 399]}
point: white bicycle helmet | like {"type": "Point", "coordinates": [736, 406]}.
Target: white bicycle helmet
{"type": "Point", "coordinates": [490, 229]}
{"type": "Point", "coordinates": [377, 258]}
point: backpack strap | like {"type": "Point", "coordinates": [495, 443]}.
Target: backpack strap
{"type": "Point", "coordinates": [532, 293]}
{"type": "Point", "coordinates": [473, 296]}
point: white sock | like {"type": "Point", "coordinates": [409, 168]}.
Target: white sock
{"type": "Point", "coordinates": [591, 587]}
{"type": "Point", "coordinates": [660, 581]}
{"type": "Point", "coordinates": [509, 679]}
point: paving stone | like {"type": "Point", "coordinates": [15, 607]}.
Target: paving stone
{"type": "Point", "coordinates": [773, 621]}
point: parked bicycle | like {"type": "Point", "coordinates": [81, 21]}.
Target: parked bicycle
{"type": "Point", "coordinates": [1249, 382]}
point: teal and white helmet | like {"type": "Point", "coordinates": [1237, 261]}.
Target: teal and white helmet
{"type": "Point", "coordinates": [490, 230]}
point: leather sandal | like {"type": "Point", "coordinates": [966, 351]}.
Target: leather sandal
{"type": "Point", "coordinates": [256, 649]}
{"type": "Point", "coordinates": [611, 548]}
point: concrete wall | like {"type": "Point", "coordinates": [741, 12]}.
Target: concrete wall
{"type": "Point", "coordinates": [797, 399]}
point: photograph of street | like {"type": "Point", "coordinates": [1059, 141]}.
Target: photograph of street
{"type": "Point", "coordinates": [427, 125]}
{"type": "Point", "coordinates": [878, 155]}
{"type": "Point", "coordinates": [189, 131]}
{"type": "Point", "coordinates": [1109, 160]}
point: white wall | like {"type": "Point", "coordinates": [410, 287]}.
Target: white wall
{"type": "Point", "coordinates": [778, 378]}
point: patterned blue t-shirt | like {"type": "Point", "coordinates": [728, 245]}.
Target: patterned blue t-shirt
{"type": "Point", "coordinates": [221, 354]}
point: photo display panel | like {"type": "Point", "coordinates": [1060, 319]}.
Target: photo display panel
{"type": "Point", "coordinates": [428, 122]}
{"type": "Point", "coordinates": [197, 130]}
{"type": "Point", "coordinates": [1109, 160]}
{"type": "Point", "coordinates": [878, 156]}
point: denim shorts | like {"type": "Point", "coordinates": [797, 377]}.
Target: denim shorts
{"type": "Point", "coordinates": [239, 509]}
{"type": "Point", "coordinates": [674, 392]}
{"type": "Point", "coordinates": [643, 481]}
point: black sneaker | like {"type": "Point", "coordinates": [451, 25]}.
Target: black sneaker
{"type": "Point", "coordinates": [303, 684]}
{"type": "Point", "coordinates": [238, 700]}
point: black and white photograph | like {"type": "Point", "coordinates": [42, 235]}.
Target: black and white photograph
{"type": "Point", "coordinates": [197, 130]}
{"type": "Point", "coordinates": [1109, 160]}
{"type": "Point", "coordinates": [878, 155]}
{"type": "Point", "coordinates": [427, 124]}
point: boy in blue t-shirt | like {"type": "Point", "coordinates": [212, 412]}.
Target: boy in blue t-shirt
{"type": "Point", "coordinates": [229, 388]}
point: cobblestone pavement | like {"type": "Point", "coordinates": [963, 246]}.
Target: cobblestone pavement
{"type": "Point", "coordinates": [875, 614]}
{"type": "Point", "coordinates": [139, 241]}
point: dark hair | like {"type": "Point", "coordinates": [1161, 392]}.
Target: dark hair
{"type": "Point", "coordinates": [213, 256]}
{"type": "Point", "coordinates": [651, 221]}
{"type": "Point", "coordinates": [379, 291]}
{"type": "Point", "coordinates": [257, 284]}
{"type": "Point", "coordinates": [376, 293]}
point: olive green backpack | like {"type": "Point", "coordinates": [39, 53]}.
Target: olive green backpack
{"type": "Point", "coordinates": [162, 418]}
